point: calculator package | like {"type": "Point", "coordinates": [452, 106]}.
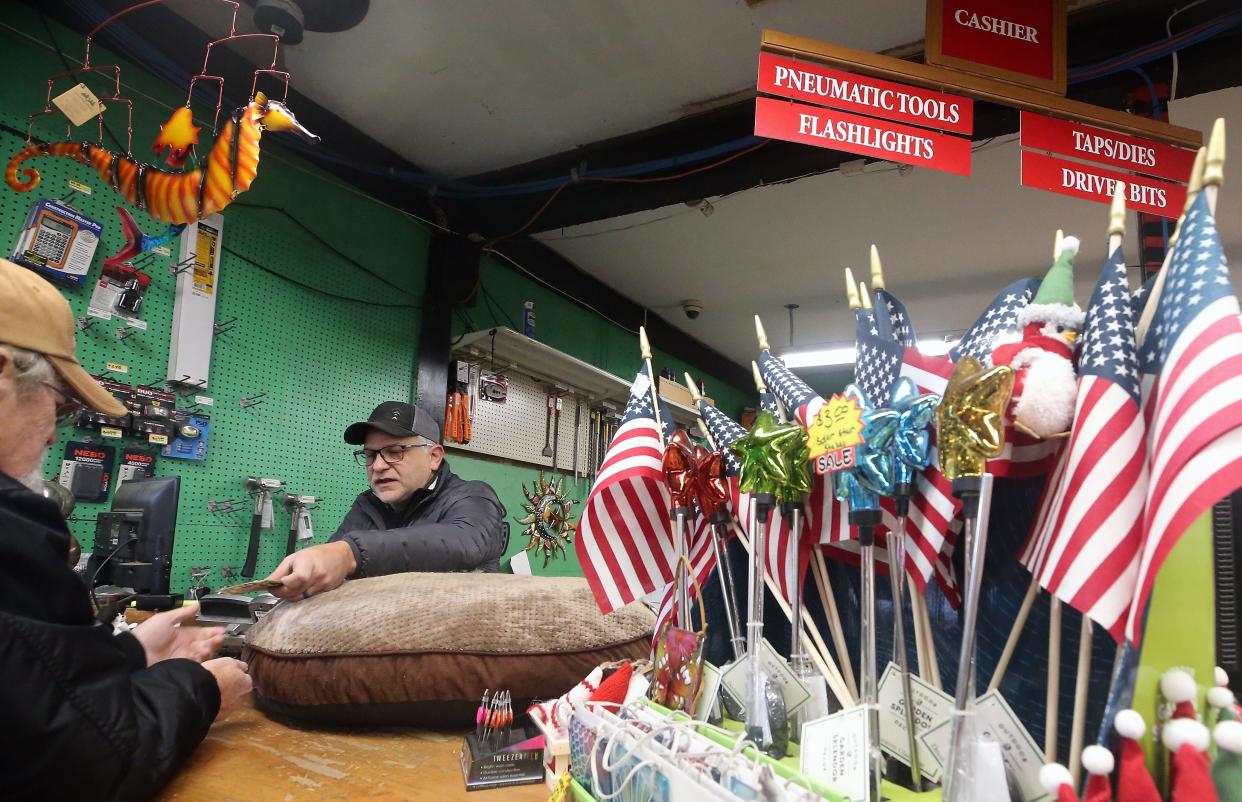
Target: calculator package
{"type": "Point", "coordinates": [57, 241]}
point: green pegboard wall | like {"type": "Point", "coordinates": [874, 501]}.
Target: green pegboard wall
{"type": "Point", "coordinates": [322, 362]}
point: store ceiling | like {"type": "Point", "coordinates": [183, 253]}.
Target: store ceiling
{"type": "Point", "coordinates": [469, 86]}
{"type": "Point", "coordinates": [501, 92]}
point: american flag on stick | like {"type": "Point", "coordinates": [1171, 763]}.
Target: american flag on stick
{"type": "Point", "coordinates": [624, 538]}
{"type": "Point", "coordinates": [702, 556]}
{"type": "Point", "coordinates": [931, 531]}
{"type": "Point", "coordinates": [1084, 544]}
{"type": "Point", "coordinates": [1191, 366]}
{"type": "Point", "coordinates": [781, 558]}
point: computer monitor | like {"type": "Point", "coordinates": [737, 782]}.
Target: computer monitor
{"type": "Point", "coordinates": [134, 542]}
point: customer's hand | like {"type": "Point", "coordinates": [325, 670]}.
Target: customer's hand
{"type": "Point", "coordinates": [163, 637]}
{"type": "Point", "coordinates": [314, 570]}
{"type": "Point", "coordinates": [234, 683]}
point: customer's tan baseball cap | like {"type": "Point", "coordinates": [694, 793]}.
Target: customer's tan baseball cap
{"type": "Point", "coordinates": [36, 317]}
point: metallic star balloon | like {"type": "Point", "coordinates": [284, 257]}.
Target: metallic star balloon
{"type": "Point", "coordinates": [970, 419]}
{"type": "Point", "coordinates": [760, 473]}
{"type": "Point", "coordinates": [711, 485]}
{"type": "Point", "coordinates": [679, 468]}
{"type": "Point", "coordinates": [872, 475]}
{"type": "Point", "coordinates": [792, 455]}
{"type": "Point", "coordinates": [910, 446]}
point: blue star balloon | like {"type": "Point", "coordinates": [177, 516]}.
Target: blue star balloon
{"type": "Point", "coordinates": [872, 475]}
{"type": "Point", "coordinates": [910, 446]}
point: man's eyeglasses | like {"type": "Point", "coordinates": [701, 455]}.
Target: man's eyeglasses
{"type": "Point", "coordinates": [390, 454]}
{"type": "Point", "coordinates": [67, 407]}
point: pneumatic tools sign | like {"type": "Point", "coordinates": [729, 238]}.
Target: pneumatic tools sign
{"type": "Point", "coordinates": [868, 116]}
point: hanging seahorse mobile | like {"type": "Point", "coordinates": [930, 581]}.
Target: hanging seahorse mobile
{"type": "Point", "coordinates": [174, 198]}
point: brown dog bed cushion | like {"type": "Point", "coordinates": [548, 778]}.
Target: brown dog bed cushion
{"type": "Point", "coordinates": [421, 648]}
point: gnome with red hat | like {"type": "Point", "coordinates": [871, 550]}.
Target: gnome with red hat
{"type": "Point", "coordinates": [1045, 386]}
{"type": "Point", "coordinates": [1134, 782]}
{"type": "Point", "coordinates": [1187, 741]}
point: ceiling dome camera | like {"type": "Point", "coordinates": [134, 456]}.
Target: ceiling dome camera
{"type": "Point", "coordinates": [693, 307]}
{"type": "Point", "coordinates": [290, 19]}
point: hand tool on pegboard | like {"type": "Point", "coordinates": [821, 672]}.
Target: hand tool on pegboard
{"type": "Point", "coordinates": [547, 425]}
{"type": "Point", "coordinates": [300, 527]}
{"type": "Point", "coordinates": [577, 429]}
{"type": "Point", "coordinates": [556, 435]}
{"type": "Point", "coordinates": [261, 519]}
{"type": "Point", "coordinates": [590, 448]}
{"type": "Point", "coordinates": [457, 423]}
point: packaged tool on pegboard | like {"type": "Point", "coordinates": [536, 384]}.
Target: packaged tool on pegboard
{"type": "Point", "coordinates": [136, 463]}
{"type": "Point", "coordinates": [494, 387]}
{"type": "Point", "coordinates": [107, 425]}
{"type": "Point", "coordinates": [189, 439]}
{"type": "Point", "coordinates": [119, 293]}
{"type": "Point", "coordinates": [151, 413]}
{"type": "Point", "coordinates": [87, 470]}
{"type": "Point", "coordinates": [57, 241]}
{"type": "Point", "coordinates": [458, 406]}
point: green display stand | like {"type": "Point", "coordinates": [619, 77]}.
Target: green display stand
{"type": "Point", "coordinates": [1181, 627]}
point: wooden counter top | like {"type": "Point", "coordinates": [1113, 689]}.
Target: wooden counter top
{"type": "Point", "coordinates": [250, 758]}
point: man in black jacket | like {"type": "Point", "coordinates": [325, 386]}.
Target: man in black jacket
{"type": "Point", "coordinates": [87, 714]}
{"type": "Point", "coordinates": [417, 516]}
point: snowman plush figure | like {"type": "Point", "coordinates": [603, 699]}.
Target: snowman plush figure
{"type": "Point", "coordinates": [1045, 381]}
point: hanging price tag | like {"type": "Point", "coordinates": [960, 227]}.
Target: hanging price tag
{"type": "Point", "coordinates": [79, 104]}
{"type": "Point", "coordinates": [834, 433]}
{"type": "Point", "coordinates": [158, 439]}
{"type": "Point", "coordinates": [110, 431]}
{"type": "Point", "coordinates": [117, 367]}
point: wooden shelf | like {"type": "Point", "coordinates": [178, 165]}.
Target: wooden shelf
{"type": "Point", "coordinates": [546, 364]}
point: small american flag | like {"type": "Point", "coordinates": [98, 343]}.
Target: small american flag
{"type": "Point", "coordinates": [892, 321]}
{"type": "Point", "coordinates": [825, 515]}
{"type": "Point", "coordinates": [781, 559]}
{"type": "Point", "coordinates": [625, 543]}
{"type": "Point", "coordinates": [1084, 544]}
{"type": "Point", "coordinates": [930, 530]}
{"type": "Point", "coordinates": [1191, 361]}
{"type": "Point", "coordinates": [702, 556]}
{"type": "Point", "coordinates": [1023, 455]}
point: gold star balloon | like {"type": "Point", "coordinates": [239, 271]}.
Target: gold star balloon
{"type": "Point", "coordinates": [760, 472]}
{"type": "Point", "coordinates": [971, 417]}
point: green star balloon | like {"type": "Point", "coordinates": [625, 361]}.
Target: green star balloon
{"type": "Point", "coordinates": [792, 456]}
{"type": "Point", "coordinates": [760, 472]}
{"type": "Point", "coordinates": [971, 417]}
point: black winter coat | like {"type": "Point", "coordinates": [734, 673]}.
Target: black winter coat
{"type": "Point", "coordinates": [455, 526]}
{"type": "Point", "coordinates": [83, 715]}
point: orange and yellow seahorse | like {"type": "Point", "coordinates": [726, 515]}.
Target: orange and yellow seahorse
{"type": "Point", "coordinates": [174, 198]}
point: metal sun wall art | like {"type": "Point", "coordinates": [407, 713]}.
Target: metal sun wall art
{"type": "Point", "coordinates": [547, 517]}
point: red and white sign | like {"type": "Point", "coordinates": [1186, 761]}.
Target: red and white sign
{"type": "Point", "coordinates": [1106, 147]}
{"type": "Point", "coordinates": [823, 86]}
{"type": "Point", "coordinates": [1098, 184]}
{"type": "Point", "coordinates": [881, 139]}
{"type": "Point", "coordinates": [1019, 40]}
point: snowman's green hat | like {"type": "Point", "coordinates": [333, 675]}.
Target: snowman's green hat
{"type": "Point", "coordinates": [1054, 302]}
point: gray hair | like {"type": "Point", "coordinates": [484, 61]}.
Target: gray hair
{"type": "Point", "coordinates": [32, 367]}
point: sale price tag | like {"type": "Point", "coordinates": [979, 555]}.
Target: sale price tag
{"type": "Point", "coordinates": [834, 433]}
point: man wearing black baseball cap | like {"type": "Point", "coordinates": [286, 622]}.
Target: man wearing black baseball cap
{"type": "Point", "coordinates": [417, 516]}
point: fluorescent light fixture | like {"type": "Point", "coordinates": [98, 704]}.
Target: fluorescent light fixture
{"type": "Point", "coordinates": [821, 357]}
{"type": "Point", "coordinates": [938, 347]}
{"type": "Point", "coordinates": [844, 355]}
